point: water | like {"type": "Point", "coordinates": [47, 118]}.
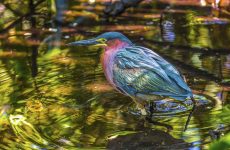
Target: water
{"type": "Point", "coordinates": [56, 97]}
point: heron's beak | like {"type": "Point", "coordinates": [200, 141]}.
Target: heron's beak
{"type": "Point", "coordinates": [94, 42]}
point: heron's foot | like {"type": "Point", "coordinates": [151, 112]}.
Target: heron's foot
{"type": "Point", "coordinates": [142, 109]}
{"type": "Point", "coordinates": [141, 106]}
{"type": "Point", "coordinates": [152, 107]}
{"type": "Point", "coordinates": [148, 110]}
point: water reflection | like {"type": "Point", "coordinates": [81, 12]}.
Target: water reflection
{"type": "Point", "coordinates": [67, 102]}
{"type": "Point", "coordinates": [25, 130]}
{"type": "Point", "coordinates": [168, 31]}
{"type": "Point", "coordinates": [147, 139]}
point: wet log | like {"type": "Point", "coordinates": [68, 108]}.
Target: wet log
{"type": "Point", "coordinates": [149, 139]}
{"type": "Point", "coordinates": [118, 7]}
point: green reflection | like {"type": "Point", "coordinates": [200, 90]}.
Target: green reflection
{"type": "Point", "coordinates": [223, 143]}
{"type": "Point", "coordinates": [25, 130]}
{"type": "Point", "coordinates": [68, 103]}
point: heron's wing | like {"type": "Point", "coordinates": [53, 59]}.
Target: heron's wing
{"type": "Point", "coordinates": [137, 70]}
{"type": "Point", "coordinates": [171, 71]}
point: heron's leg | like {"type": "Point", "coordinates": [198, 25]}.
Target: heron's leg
{"type": "Point", "coordinates": [190, 114]}
{"type": "Point", "coordinates": [189, 117]}
{"type": "Point", "coordinates": [193, 101]}
{"type": "Point", "coordinates": [141, 106]}
{"type": "Point", "coordinates": [151, 108]}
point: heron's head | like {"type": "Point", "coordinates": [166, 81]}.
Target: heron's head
{"type": "Point", "coordinates": [103, 40]}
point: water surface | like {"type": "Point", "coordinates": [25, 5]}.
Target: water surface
{"type": "Point", "coordinates": [56, 97]}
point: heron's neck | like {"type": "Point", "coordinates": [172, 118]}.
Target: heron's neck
{"type": "Point", "coordinates": [116, 44]}
{"type": "Point", "coordinates": [113, 46]}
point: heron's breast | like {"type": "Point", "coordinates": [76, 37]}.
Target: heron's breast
{"type": "Point", "coordinates": [107, 60]}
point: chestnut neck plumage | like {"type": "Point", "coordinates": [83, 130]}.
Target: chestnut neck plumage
{"type": "Point", "coordinates": [113, 46]}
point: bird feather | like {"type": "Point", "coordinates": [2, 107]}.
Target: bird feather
{"type": "Point", "coordinates": [138, 70]}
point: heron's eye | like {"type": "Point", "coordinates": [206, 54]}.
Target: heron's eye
{"type": "Point", "coordinates": [102, 40]}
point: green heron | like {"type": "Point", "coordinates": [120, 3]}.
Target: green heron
{"type": "Point", "coordinates": [137, 71]}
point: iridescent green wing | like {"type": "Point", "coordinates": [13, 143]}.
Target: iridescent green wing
{"type": "Point", "coordinates": [171, 71]}
{"type": "Point", "coordinates": [135, 71]}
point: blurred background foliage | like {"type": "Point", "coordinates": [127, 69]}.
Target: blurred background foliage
{"type": "Point", "coordinates": [56, 97]}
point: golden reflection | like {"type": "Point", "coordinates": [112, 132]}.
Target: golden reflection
{"type": "Point", "coordinates": [54, 52]}
{"type": "Point", "coordinates": [86, 61]}
{"type": "Point", "coordinates": [212, 89]}
{"type": "Point", "coordinates": [203, 2]}
{"type": "Point", "coordinates": [63, 90]}
{"type": "Point", "coordinates": [82, 13]}
{"type": "Point", "coordinates": [83, 7]}
{"type": "Point", "coordinates": [195, 59]}
{"type": "Point", "coordinates": [57, 91]}
{"type": "Point", "coordinates": [54, 106]}
{"type": "Point", "coordinates": [4, 122]}
{"type": "Point", "coordinates": [12, 54]}
{"type": "Point", "coordinates": [15, 40]}
{"type": "Point", "coordinates": [183, 2]}
{"type": "Point", "coordinates": [65, 60]}
{"type": "Point", "coordinates": [203, 39]}
{"type": "Point", "coordinates": [92, 1]}
{"type": "Point", "coordinates": [34, 105]}
{"type": "Point", "coordinates": [99, 87]}
{"type": "Point", "coordinates": [32, 42]}
{"type": "Point", "coordinates": [127, 28]}
{"type": "Point", "coordinates": [4, 109]}
{"type": "Point", "coordinates": [115, 117]}
{"type": "Point", "coordinates": [115, 135]}
{"type": "Point", "coordinates": [146, 16]}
